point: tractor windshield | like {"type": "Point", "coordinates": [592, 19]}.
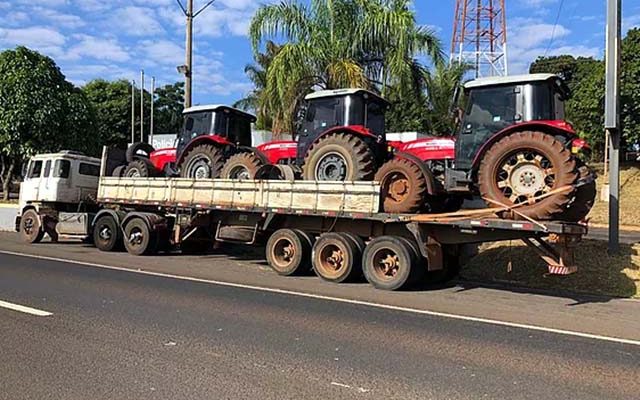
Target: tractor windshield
{"type": "Point", "coordinates": [195, 124]}
{"type": "Point", "coordinates": [543, 101]}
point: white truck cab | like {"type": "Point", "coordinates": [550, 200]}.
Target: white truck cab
{"type": "Point", "coordinates": [54, 184]}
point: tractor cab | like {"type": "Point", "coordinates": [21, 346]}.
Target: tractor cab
{"type": "Point", "coordinates": [493, 105]}
{"type": "Point", "coordinates": [210, 124]}
{"type": "Point", "coordinates": [328, 111]}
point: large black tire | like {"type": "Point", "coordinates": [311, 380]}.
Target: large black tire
{"type": "Point", "coordinates": [526, 165]}
{"type": "Point", "coordinates": [289, 252]}
{"type": "Point", "coordinates": [241, 166]}
{"type": "Point", "coordinates": [339, 157]}
{"type": "Point", "coordinates": [390, 263]}
{"type": "Point", "coordinates": [139, 168]}
{"type": "Point", "coordinates": [118, 172]}
{"type": "Point", "coordinates": [139, 149]}
{"type": "Point", "coordinates": [584, 199]}
{"type": "Point", "coordinates": [403, 186]}
{"type": "Point", "coordinates": [203, 162]}
{"type": "Point", "coordinates": [336, 258]}
{"type": "Point", "coordinates": [107, 235]}
{"type": "Point", "coordinates": [31, 227]}
{"type": "Point", "coordinates": [139, 240]}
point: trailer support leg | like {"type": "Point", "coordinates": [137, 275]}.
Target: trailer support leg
{"type": "Point", "coordinates": [560, 258]}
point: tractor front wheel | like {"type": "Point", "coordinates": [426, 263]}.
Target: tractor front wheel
{"type": "Point", "coordinates": [339, 157]}
{"type": "Point", "coordinates": [403, 186]}
{"type": "Point", "coordinates": [528, 170]}
{"type": "Point", "coordinates": [202, 162]}
{"type": "Point", "coordinates": [241, 166]}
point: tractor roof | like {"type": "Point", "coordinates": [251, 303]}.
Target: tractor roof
{"type": "Point", "coordinates": [509, 80]}
{"type": "Point", "coordinates": [343, 92]}
{"type": "Point", "coordinates": [218, 107]}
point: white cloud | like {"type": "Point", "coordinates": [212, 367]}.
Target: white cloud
{"type": "Point", "coordinates": [136, 21]}
{"type": "Point", "coordinates": [32, 37]}
{"type": "Point", "coordinates": [58, 18]}
{"type": "Point", "coordinates": [96, 48]}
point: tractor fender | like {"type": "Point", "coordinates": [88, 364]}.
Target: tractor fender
{"type": "Point", "coordinates": [357, 130]}
{"type": "Point", "coordinates": [556, 128]}
{"type": "Point", "coordinates": [432, 188]}
{"type": "Point", "coordinates": [205, 139]}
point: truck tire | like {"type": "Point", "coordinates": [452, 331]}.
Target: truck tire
{"type": "Point", "coordinates": [584, 199]}
{"type": "Point", "coordinates": [139, 149]}
{"type": "Point", "coordinates": [523, 166]}
{"type": "Point", "coordinates": [390, 263]}
{"type": "Point", "coordinates": [30, 227]}
{"type": "Point", "coordinates": [336, 258]}
{"type": "Point", "coordinates": [202, 162]}
{"type": "Point", "coordinates": [288, 252]}
{"type": "Point", "coordinates": [339, 157]}
{"type": "Point", "coordinates": [118, 172]}
{"type": "Point", "coordinates": [241, 166]}
{"type": "Point", "coordinates": [403, 186]}
{"type": "Point", "coordinates": [139, 240]}
{"type": "Point", "coordinates": [139, 168]}
{"type": "Point", "coordinates": [107, 235]}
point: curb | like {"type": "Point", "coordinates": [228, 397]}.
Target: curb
{"type": "Point", "coordinates": [628, 228]}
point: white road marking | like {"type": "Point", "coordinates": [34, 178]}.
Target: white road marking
{"type": "Point", "coordinates": [24, 309]}
{"type": "Point", "coordinates": [340, 300]}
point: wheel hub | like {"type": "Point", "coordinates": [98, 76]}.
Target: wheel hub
{"type": "Point", "coordinates": [135, 238]}
{"type": "Point", "coordinates": [200, 168]}
{"type": "Point", "coordinates": [134, 173]}
{"type": "Point", "coordinates": [399, 188]}
{"type": "Point", "coordinates": [525, 176]}
{"type": "Point", "coordinates": [105, 233]}
{"type": "Point", "coordinates": [332, 167]}
{"type": "Point", "coordinates": [240, 172]}
{"type": "Point", "coordinates": [28, 226]}
{"type": "Point", "coordinates": [283, 253]}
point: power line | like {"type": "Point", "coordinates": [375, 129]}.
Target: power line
{"type": "Point", "coordinates": [555, 25]}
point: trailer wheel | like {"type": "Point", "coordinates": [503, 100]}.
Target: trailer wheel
{"type": "Point", "coordinates": [202, 162]}
{"type": "Point", "coordinates": [403, 186]}
{"type": "Point", "coordinates": [30, 227]}
{"type": "Point", "coordinates": [524, 166]}
{"type": "Point", "coordinates": [289, 252]}
{"type": "Point", "coordinates": [390, 263]}
{"type": "Point", "coordinates": [139, 239]}
{"type": "Point", "coordinates": [107, 235]}
{"type": "Point", "coordinates": [241, 166]}
{"type": "Point", "coordinates": [339, 157]}
{"type": "Point", "coordinates": [336, 258]}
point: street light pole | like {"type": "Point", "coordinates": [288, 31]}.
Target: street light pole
{"type": "Point", "coordinates": [612, 118]}
{"type": "Point", "coordinates": [133, 111]}
{"type": "Point", "coordinates": [189, 56]}
{"type": "Point", "coordinates": [153, 101]}
{"type": "Point", "coordinates": [141, 106]}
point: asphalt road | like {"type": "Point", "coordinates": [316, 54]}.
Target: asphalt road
{"type": "Point", "coordinates": [122, 335]}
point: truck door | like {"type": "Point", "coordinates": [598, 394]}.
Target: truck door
{"type": "Point", "coordinates": [30, 187]}
{"type": "Point", "coordinates": [45, 186]}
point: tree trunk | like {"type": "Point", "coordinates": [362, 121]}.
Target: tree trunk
{"type": "Point", "coordinates": [6, 176]}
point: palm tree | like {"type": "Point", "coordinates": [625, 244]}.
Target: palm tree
{"type": "Point", "coordinates": [339, 43]}
{"type": "Point", "coordinates": [441, 88]}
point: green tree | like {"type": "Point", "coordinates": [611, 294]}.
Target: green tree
{"type": "Point", "coordinates": [258, 100]}
{"type": "Point", "coordinates": [169, 105]}
{"type": "Point", "coordinates": [340, 43]}
{"type": "Point", "coordinates": [631, 86]}
{"type": "Point", "coordinates": [39, 111]}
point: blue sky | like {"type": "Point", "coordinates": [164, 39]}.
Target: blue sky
{"type": "Point", "coordinates": [116, 38]}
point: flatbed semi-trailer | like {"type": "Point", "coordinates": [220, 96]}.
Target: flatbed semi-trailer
{"type": "Point", "coordinates": [331, 228]}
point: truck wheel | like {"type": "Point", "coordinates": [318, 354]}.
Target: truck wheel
{"type": "Point", "coordinates": [584, 199]}
{"type": "Point", "coordinates": [202, 162]}
{"type": "Point", "coordinates": [289, 252]}
{"type": "Point", "coordinates": [390, 263]}
{"type": "Point", "coordinates": [30, 227]}
{"type": "Point", "coordinates": [524, 166]}
{"type": "Point", "coordinates": [241, 166]}
{"type": "Point", "coordinates": [336, 258]}
{"type": "Point", "coordinates": [339, 157]}
{"type": "Point", "coordinates": [139, 150]}
{"type": "Point", "coordinates": [107, 235]}
{"type": "Point", "coordinates": [138, 168]}
{"type": "Point", "coordinates": [403, 186]}
{"type": "Point", "coordinates": [139, 239]}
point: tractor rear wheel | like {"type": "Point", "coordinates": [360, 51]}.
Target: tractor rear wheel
{"type": "Point", "coordinates": [339, 157]}
{"type": "Point", "coordinates": [403, 186]}
{"type": "Point", "coordinates": [241, 166]}
{"type": "Point", "coordinates": [523, 167]}
{"type": "Point", "coordinates": [584, 199]}
{"type": "Point", "coordinates": [139, 149]}
{"type": "Point", "coordinates": [202, 162]}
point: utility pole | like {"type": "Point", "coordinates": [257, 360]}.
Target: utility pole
{"type": "Point", "coordinates": [187, 69]}
{"type": "Point", "coordinates": [612, 118]}
{"type": "Point", "coordinates": [142, 106]}
{"type": "Point", "coordinates": [133, 111]}
{"type": "Point", "coordinates": [153, 101]}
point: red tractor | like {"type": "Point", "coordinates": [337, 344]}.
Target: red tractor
{"type": "Point", "coordinates": [513, 147]}
{"type": "Point", "coordinates": [212, 137]}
